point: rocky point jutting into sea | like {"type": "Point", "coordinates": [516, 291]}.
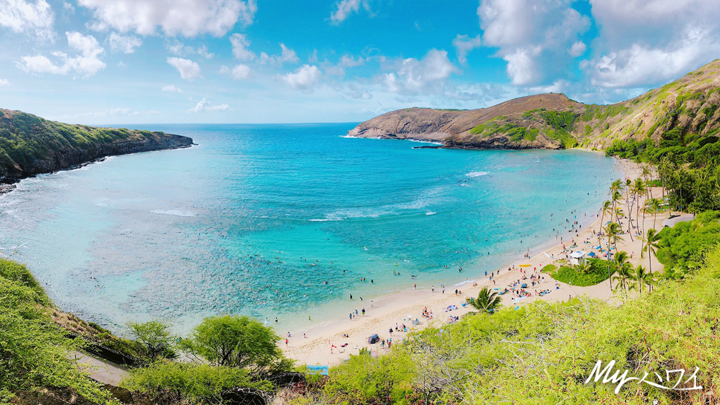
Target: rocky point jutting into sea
{"type": "Point", "coordinates": [30, 145]}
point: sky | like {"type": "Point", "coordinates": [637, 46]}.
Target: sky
{"type": "Point", "coordinates": [270, 61]}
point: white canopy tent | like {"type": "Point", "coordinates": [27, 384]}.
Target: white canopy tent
{"type": "Point", "coordinates": [577, 257]}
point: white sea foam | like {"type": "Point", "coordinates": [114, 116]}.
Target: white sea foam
{"type": "Point", "coordinates": [430, 213]}
{"type": "Point", "coordinates": [477, 174]}
{"type": "Point", "coordinates": [177, 213]}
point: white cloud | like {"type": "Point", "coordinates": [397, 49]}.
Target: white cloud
{"type": "Point", "coordinates": [533, 36]}
{"type": "Point", "coordinates": [172, 89]}
{"type": "Point", "coordinates": [414, 76]}
{"type": "Point", "coordinates": [4, 82]}
{"type": "Point", "coordinates": [304, 77]}
{"type": "Point", "coordinates": [178, 48]}
{"type": "Point", "coordinates": [204, 105]}
{"type": "Point", "coordinates": [188, 17]}
{"type": "Point", "coordinates": [86, 63]}
{"type": "Point", "coordinates": [640, 65]}
{"type": "Point", "coordinates": [286, 55]}
{"type": "Point", "coordinates": [349, 61]}
{"type": "Point", "coordinates": [463, 44]}
{"type": "Point", "coordinates": [345, 8]}
{"type": "Point", "coordinates": [559, 86]}
{"type": "Point", "coordinates": [203, 51]}
{"type": "Point", "coordinates": [644, 43]}
{"type": "Point", "coordinates": [522, 65]}
{"type": "Point", "coordinates": [313, 58]}
{"type": "Point", "coordinates": [125, 44]}
{"type": "Point", "coordinates": [240, 43]}
{"type": "Point", "coordinates": [577, 49]}
{"type": "Point", "coordinates": [241, 72]}
{"type": "Point", "coordinates": [188, 69]}
{"type": "Point", "coordinates": [68, 6]}
{"type": "Point", "coordinates": [22, 16]}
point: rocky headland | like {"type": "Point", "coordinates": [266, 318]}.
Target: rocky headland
{"type": "Point", "coordinates": [30, 145]}
{"type": "Point", "coordinates": [553, 121]}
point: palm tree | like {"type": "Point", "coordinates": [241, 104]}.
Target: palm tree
{"type": "Point", "coordinates": [606, 209]}
{"type": "Point", "coordinates": [618, 214]}
{"type": "Point", "coordinates": [487, 301]}
{"type": "Point", "coordinates": [655, 207]}
{"type": "Point", "coordinates": [646, 173]}
{"type": "Point", "coordinates": [640, 188]}
{"type": "Point", "coordinates": [616, 196]}
{"type": "Point", "coordinates": [640, 277]}
{"type": "Point", "coordinates": [613, 232]}
{"type": "Point", "coordinates": [628, 203]}
{"type": "Point", "coordinates": [624, 272]}
{"type": "Point", "coordinates": [664, 172]}
{"type": "Point", "coordinates": [615, 192]}
{"type": "Point", "coordinates": [650, 245]}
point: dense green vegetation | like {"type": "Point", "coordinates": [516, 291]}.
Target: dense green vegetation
{"type": "Point", "coordinates": [198, 383]}
{"type": "Point", "coordinates": [554, 125]}
{"type": "Point", "coordinates": [32, 348]}
{"type": "Point", "coordinates": [231, 352]}
{"type": "Point", "coordinates": [686, 153]}
{"type": "Point", "coordinates": [684, 246]}
{"type": "Point", "coordinates": [516, 132]}
{"type": "Point", "coordinates": [544, 353]}
{"type": "Point", "coordinates": [594, 272]}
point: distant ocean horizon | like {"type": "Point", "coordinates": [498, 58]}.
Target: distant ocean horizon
{"type": "Point", "coordinates": [286, 221]}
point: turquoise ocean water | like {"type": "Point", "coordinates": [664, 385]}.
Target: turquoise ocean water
{"type": "Point", "coordinates": [284, 220]}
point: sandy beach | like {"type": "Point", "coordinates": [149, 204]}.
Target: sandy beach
{"type": "Point", "coordinates": [335, 341]}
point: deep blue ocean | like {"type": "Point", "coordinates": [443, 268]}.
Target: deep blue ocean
{"type": "Point", "coordinates": [285, 220]}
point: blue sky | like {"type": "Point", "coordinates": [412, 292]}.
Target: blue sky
{"type": "Point", "coordinates": [263, 61]}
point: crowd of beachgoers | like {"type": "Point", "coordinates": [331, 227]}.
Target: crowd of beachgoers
{"type": "Point", "coordinates": [392, 317]}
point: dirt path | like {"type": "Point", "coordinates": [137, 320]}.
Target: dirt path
{"type": "Point", "coordinates": [99, 370]}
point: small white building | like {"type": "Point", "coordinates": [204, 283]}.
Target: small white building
{"type": "Point", "coordinates": [577, 257]}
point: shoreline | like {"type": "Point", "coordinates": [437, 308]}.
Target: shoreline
{"type": "Point", "coordinates": [9, 184]}
{"type": "Point", "coordinates": [324, 342]}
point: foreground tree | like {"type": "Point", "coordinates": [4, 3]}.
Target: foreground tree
{"type": "Point", "coordinates": [236, 341]}
{"type": "Point", "coordinates": [154, 335]}
{"type": "Point", "coordinates": [486, 301]}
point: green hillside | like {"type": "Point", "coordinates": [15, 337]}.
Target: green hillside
{"type": "Point", "coordinates": [31, 145]}
{"type": "Point", "coordinates": [688, 106]}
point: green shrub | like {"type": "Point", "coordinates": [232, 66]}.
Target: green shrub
{"type": "Point", "coordinates": [196, 382]}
